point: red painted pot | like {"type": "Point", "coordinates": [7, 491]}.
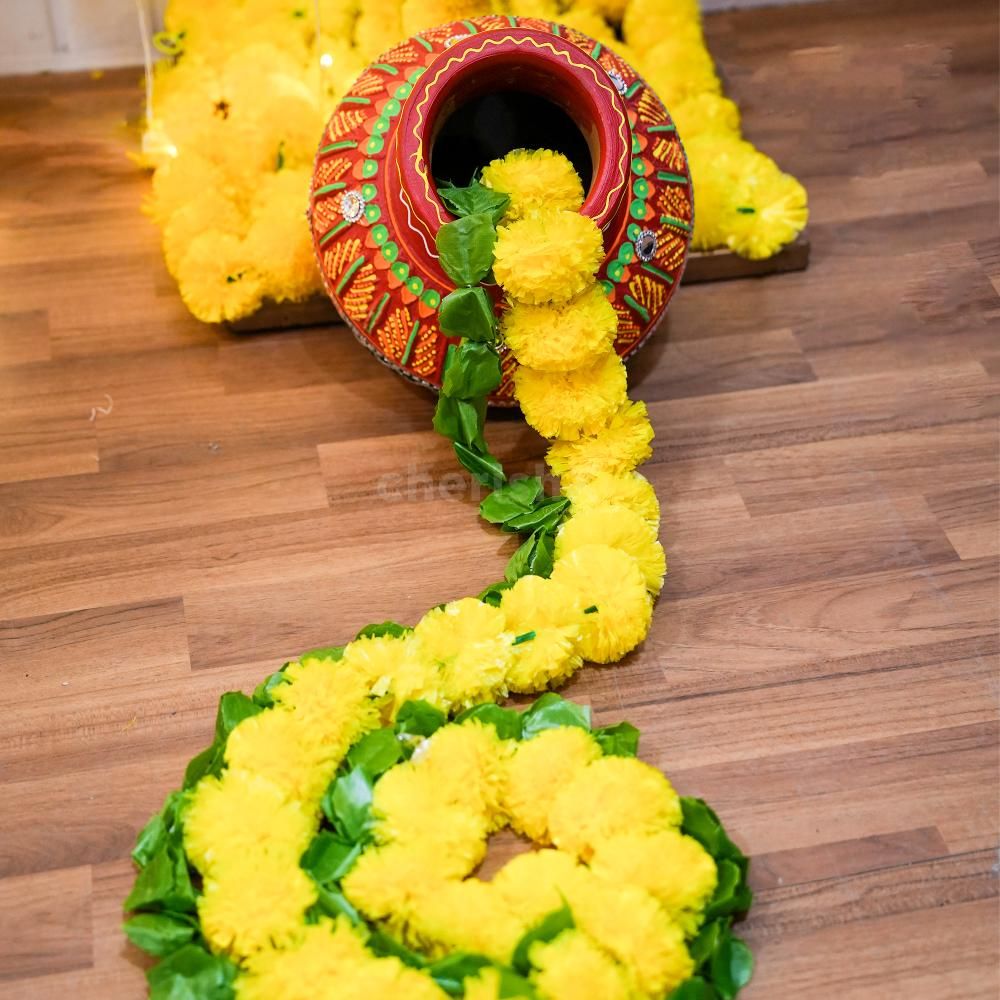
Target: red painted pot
{"type": "Point", "coordinates": [443, 103]}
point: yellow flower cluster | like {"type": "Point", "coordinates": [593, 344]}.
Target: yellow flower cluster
{"type": "Point", "coordinates": [577, 397]}
{"type": "Point", "coordinates": [631, 913]}
{"type": "Point", "coordinates": [245, 830]}
{"type": "Point", "coordinates": [242, 101]}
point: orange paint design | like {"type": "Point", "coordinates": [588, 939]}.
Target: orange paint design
{"type": "Point", "coordinates": [339, 257]}
{"type": "Point", "coordinates": [343, 123]}
{"type": "Point", "coordinates": [647, 292]}
{"type": "Point", "coordinates": [358, 299]}
{"type": "Point", "coordinates": [672, 200]}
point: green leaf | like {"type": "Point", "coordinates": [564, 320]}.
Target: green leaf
{"type": "Point", "coordinates": [333, 903]}
{"type": "Point", "coordinates": [191, 973]}
{"type": "Point", "coordinates": [209, 761]}
{"type": "Point", "coordinates": [262, 692]}
{"type": "Point", "coordinates": [543, 516]}
{"type": "Point", "coordinates": [164, 884]}
{"type": "Point", "coordinates": [694, 989]}
{"type": "Point", "coordinates": [465, 248]}
{"type": "Point", "coordinates": [323, 653]}
{"type": "Point", "coordinates": [384, 944]}
{"type": "Point", "coordinates": [552, 711]}
{"type": "Point", "coordinates": [707, 941]}
{"type": "Point", "coordinates": [159, 933]}
{"type": "Point", "coordinates": [329, 857]}
{"type": "Point", "coordinates": [234, 707]}
{"type": "Point", "coordinates": [517, 497]}
{"type": "Point", "coordinates": [547, 929]}
{"type": "Point", "coordinates": [492, 594]}
{"type": "Point", "coordinates": [514, 987]}
{"type": "Point", "coordinates": [377, 631]}
{"type": "Point", "coordinates": [535, 557]}
{"type": "Point", "coordinates": [161, 828]}
{"type": "Point", "coordinates": [468, 313]}
{"type": "Point", "coordinates": [701, 823]}
{"type": "Point", "coordinates": [418, 718]}
{"type": "Point", "coordinates": [732, 894]}
{"type": "Point", "coordinates": [621, 740]}
{"type": "Point", "coordinates": [347, 804]}
{"type": "Point", "coordinates": [731, 967]}
{"type": "Point", "coordinates": [474, 371]}
{"type": "Point", "coordinates": [451, 971]}
{"type": "Point", "coordinates": [481, 464]}
{"type": "Point", "coordinates": [376, 752]}
{"type": "Point", "coordinates": [474, 199]}
{"type": "Point", "coordinates": [506, 721]}
{"type": "Point", "coordinates": [461, 420]}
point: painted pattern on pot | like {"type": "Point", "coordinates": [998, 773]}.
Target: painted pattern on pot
{"type": "Point", "coordinates": [374, 210]}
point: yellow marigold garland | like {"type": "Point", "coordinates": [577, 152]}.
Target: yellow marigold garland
{"type": "Point", "coordinates": [248, 84]}
{"type": "Point", "coordinates": [325, 843]}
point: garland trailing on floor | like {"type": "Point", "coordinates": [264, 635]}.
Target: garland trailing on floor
{"type": "Point", "coordinates": [325, 844]}
{"type": "Point", "coordinates": [247, 85]}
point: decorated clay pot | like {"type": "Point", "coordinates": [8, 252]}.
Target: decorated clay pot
{"type": "Point", "coordinates": [440, 105]}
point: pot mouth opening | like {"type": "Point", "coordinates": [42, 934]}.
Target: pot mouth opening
{"type": "Point", "coordinates": [486, 126]}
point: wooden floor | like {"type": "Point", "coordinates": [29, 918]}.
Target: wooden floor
{"type": "Point", "coordinates": [182, 508]}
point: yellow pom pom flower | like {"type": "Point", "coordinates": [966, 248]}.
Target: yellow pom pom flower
{"type": "Point", "coordinates": [550, 256]}
{"type": "Point", "coordinates": [279, 746]}
{"type": "Point", "coordinates": [241, 814]}
{"type": "Point", "coordinates": [256, 905]}
{"type": "Point", "coordinates": [418, 15]}
{"type": "Point", "coordinates": [564, 336]}
{"type": "Point", "coordinates": [612, 585]}
{"type": "Point", "coordinates": [620, 528]}
{"type": "Point", "coordinates": [678, 69]}
{"type": "Point", "coordinates": [617, 449]}
{"type": "Point", "coordinates": [534, 179]}
{"type": "Point", "coordinates": [645, 22]}
{"type": "Point", "coordinates": [570, 404]}
{"type": "Point", "coordinates": [674, 868]}
{"type": "Point", "coordinates": [218, 278]}
{"type": "Point", "coordinates": [636, 930]}
{"type": "Point", "coordinates": [182, 180]}
{"type": "Point", "coordinates": [611, 796]}
{"type": "Point", "coordinates": [538, 768]}
{"type": "Point", "coordinates": [772, 211]}
{"type": "Point", "coordinates": [329, 961]}
{"type": "Point", "coordinates": [550, 618]}
{"type": "Point", "coordinates": [468, 641]}
{"type": "Point", "coordinates": [468, 916]}
{"type": "Point", "coordinates": [630, 490]}
{"type": "Point", "coordinates": [706, 114]}
{"type": "Point", "coordinates": [535, 884]}
{"type": "Point", "coordinates": [572, 965]}
{"type": "Point", "coordinates": [210, 210]}
{"type": "Point", "coordinates": [280, 240]}
{"type": "Point", "coordinates": [592, 23]}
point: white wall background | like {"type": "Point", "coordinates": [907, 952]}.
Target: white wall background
{"type": "Point", "coordinates": [38, 35]}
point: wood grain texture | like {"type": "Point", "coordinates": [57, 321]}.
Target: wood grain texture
{"type": "Point", "coordinates": [182, 508]}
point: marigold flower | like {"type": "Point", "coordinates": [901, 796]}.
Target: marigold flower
{"type": "Point", "coordinates": [534, 179]}
{"type": "Point", "coordinates": [550, 256]}
{"type": "Point", "coordinates": [630, 490]}
{"type": "Point", "coordinates": [218, 278]}
{"type": "Point", "coordinates": [620, 528]}
{"type": "Point", "coordinates": [617, 449]}
{"type": "Point", "coordinates": [612, 587]}
{"type": "Point", "coordinates": [562, 336]}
